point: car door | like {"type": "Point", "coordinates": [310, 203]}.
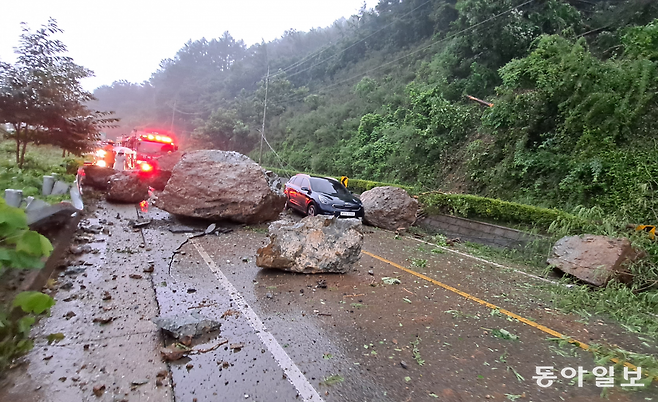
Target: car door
{"type": "Point", "coordinates": [302, 194]}
{"type": "Point", "coordinates": [293, 191]}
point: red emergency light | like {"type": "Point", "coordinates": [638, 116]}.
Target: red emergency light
{"type": "Point", "coordinates": [157, 138]}
{"type": "Point", "coordinates": [145, 167]}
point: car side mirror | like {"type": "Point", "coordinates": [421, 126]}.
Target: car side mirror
{"type": "Point", "coordinates": [306, 190]}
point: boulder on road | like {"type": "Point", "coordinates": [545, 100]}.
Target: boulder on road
{"type": "Point", "coordinates": [165, 165]}
{"type": "Point", "coordinates": [213, 184]}
{"type": "Point", "coordinates": [316, 244]}
{"type": "Point", "coordinates": [389, 208]}
{"type": "Point", "coordinates": [127, 187]}
{"type": "Point", "coordinates": [97, 177]}
{"type": "Point", "coordinates": [594, 259]}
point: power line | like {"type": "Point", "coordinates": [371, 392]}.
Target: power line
{"type": "Point", "coordinates": [262, 131]}
{"type": "Point", "coordinates": [352, 45]}
{"type": "Point", "coordinates": [472, 27]}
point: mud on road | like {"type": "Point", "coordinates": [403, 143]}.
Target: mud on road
{"type": "Point", "coordinates": [286, 337]}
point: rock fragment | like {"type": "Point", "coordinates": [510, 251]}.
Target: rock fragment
{"type": "Point", "coordinates": [99, 390]}
{"type": "Point", "coordinates": [127, 187]}
{"type": "Point", "coordinates": [192, 325]}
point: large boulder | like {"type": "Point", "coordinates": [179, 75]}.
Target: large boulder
{"type": "Point", "coordinates": [316, 244]}
{"type": "Point", "coordinates": [594, 259]}
{"type": "Point", "coordinates": [97, 177]}
{"type": "Point", "coordinates": [214, 184]}
{"type": "Point", "coordinates": [389, 208]}
{"type": "Point", "coordinates": [165, 165]}
{"type": "Point", "coordinates": [127, 187]}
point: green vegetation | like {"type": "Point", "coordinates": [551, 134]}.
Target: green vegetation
{"type": "Point", "coordinates": [416, 351]}
{"type": "Point", "coordinates": [612, 356]}
{"type": "Point", "coordinates": [39, 161]}
{"type": "Point", "coordinates": [20, 248]}
{"type": "Point", "coordinates": [16, 321]}
{"type": "Point", "coordinates": [333, 380]}
{"type": "Point", "coordinates": [41, 97]}
{"type": "Point", "coordinates": [472, 206]}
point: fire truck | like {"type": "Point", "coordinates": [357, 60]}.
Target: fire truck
{"type": "Point", "coordinates": [149, 145]}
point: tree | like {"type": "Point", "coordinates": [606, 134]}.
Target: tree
{"type": "Point", "coordinates": [42, 99]}
{"type": "Point", "coordinates": [225, 131]}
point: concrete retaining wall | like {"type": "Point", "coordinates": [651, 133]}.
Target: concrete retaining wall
{"type": "Point", "coordinates": [477, 232]}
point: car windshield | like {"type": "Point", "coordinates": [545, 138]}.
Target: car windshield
{"type": "Point", "coordinates": [148, 147]}
{"type": "Point", "coordinates": [329, 187]}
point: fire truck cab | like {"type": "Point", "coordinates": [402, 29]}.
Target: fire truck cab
{"type": "Point", "coordinates": [149, 145]}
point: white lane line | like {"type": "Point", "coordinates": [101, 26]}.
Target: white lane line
{"type": "Point", "coordinates": [293, 373]}
{"type": "Point", "coordinates": [539, 278]}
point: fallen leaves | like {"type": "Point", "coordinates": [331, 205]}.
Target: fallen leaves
{"type": "Point", "coordinates": [504, 334]}
{"type": "Point", "coordinates": [54, 338]}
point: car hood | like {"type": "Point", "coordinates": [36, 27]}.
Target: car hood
{"type": "Point", "coordinates": [345, 198]}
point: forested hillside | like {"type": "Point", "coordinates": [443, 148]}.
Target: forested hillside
{"type": "Point", "coordinates": [382, 96]}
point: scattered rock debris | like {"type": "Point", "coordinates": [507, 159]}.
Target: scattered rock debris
{"type": "Point", "coordinates": [236, 347]}
{"type": "Point", "coordinates": [103, 321]}
{"type": "Point", "coordinates": [182, 325]}
{"type": "Point", "coordinates": [99, 390]}
{"type": "Point", "coordinates": [172, 353]}
{"type": "Point", "coordinates": [230, 313]}
{"type": "Point", "coordinates": [140, 223]}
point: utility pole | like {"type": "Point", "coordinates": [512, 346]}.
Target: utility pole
{"type": "Point", "coordinates": [262, 130]}
{"type": "Point", "coordinates": [173, 114]}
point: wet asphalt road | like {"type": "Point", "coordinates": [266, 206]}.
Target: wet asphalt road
{"type": "Point", "coordinates": [288, 337]}
{"type": "Point", "coordinates": [359, 339]}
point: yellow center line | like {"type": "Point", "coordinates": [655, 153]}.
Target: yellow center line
{"type": "Point", "coordinates": [508, 313]}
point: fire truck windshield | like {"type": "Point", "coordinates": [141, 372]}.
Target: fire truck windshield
{"type": "Point", "coordinates": [148, 147]}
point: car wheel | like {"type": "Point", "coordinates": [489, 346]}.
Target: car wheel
{"type": "Point", "coordinates": [288, 205]}
{"type": "Point", "coordinates": [311, 211]}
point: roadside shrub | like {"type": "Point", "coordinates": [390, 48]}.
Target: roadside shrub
{"type": "Point", "coordinates": [359, 186]}
{"type": "Point", "coordinates": [20, 248]}
{"type": "Point", "coordinates": [472, 206]}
